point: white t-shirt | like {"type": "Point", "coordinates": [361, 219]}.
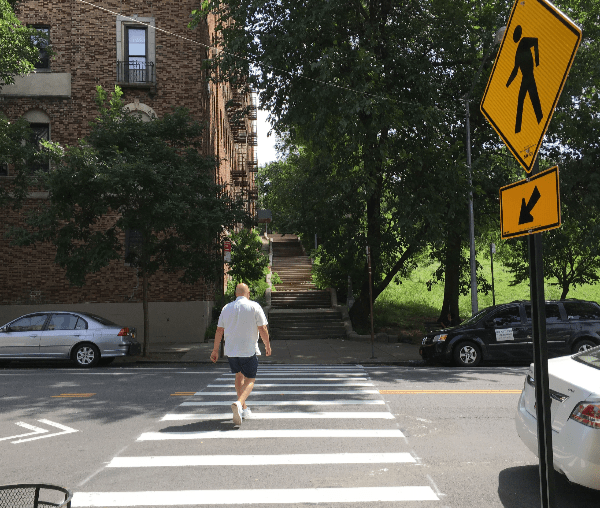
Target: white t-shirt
{"type": "Point", "coordinates": [240, 320]}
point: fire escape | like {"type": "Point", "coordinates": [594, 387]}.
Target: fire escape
{"type": "Point", "coordinates": [242, 115]}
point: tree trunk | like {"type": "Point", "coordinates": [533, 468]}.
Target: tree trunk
{"type": "Point", "coordinates": [565, 291]}
{"type": "Point", "coordinates": [449, 315]}
{"type": "Point", "coordinates": [146, 317]}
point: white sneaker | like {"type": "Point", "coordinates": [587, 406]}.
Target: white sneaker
{"type": "Point", "coordinates": [236, 407]}
{"type": "Point", "coordinates": [246, 413]}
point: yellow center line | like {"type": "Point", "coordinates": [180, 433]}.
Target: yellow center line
{"type": "Point", "coordinates": [411, 392]}
{"type": "Point", "coordinates": [73, 395]}
{"type": "Point", "coordinates": [182, 394]}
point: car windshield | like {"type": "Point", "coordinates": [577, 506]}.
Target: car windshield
{"type": "Point", "coordinates": [100, 319]}
{"type": "Point", "coordinates": [590, 357]}
{"type": "Point", "coordinates": [476, 317]}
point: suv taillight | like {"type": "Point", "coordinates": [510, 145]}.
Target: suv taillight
{"type": "Point", "coordinates": [587, 414]}
{"type": "Point", "coordinates": [123, 332]}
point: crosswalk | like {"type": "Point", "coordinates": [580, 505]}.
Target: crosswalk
{"type": "Point", "coordinates": [300, 446]}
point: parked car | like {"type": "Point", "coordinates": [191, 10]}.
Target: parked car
{"type": "Point", "coordinates": [504, 332]}
{"type": "Point", "coordinates": [575, 411]}
{"type": "Point", "coordinates": [83, 338]}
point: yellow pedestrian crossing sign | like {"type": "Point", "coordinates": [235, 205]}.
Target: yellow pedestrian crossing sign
{"type": "Point", "coordinates": [533, 62]}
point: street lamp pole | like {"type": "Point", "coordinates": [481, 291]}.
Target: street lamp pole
{"type": "Point", "coordinates": [474, 306]}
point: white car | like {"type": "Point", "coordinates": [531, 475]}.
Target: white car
{"type": "Point", "coordinates": [575, 395]}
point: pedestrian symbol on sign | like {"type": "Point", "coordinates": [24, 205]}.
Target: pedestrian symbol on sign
{"type": "Point", "coordinates": [529, 73]}
{"type": "Point", "coordinates": [524, 63]}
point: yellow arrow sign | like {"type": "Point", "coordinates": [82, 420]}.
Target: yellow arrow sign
{"type": "Point", "coordinates": [531, 205]}
{"type": "Point", "coordinates": [536, 54]}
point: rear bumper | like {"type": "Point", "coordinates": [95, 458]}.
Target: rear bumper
{"type": "Point", "coordinates": [576, 447]}
{"type": "Point", "coordinates": [132, 349]}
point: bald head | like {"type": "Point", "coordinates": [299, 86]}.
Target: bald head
{"type": "Point", "coordinates": [242, 290]}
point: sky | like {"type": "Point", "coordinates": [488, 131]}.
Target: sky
{"type": "Point", "coordinates": [266, 145]}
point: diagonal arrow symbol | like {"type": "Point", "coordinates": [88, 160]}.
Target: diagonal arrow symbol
{"type": "Point", "coordinates": [36, 430]}
{"type": "Point", "coordinates": [64, 430]}
{"type": "Point", "coordinates": [525, 215]}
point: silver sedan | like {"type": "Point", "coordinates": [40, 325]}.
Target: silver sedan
{"type": "Point", "coordinates": [83, 338]}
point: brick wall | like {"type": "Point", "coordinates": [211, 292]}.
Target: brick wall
{"type": "Point", "coordinates": [84, 41]}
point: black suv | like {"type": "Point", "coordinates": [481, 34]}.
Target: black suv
{"type": "Point", "coordinates": [504, 332]}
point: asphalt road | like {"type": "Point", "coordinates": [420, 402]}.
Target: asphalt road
{"type": "Point", "coordinates": [163, 436]}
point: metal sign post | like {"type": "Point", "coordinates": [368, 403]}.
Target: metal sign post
{"type": "Point", "coordinates": [529, 74]}
{"type": "Point", "coordinates": [371, 302]}
{"type": "Point", "coordinates": [540, 358]}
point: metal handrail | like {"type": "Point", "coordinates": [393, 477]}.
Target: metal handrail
{"type": "Point", "coordinates": [136, 72]}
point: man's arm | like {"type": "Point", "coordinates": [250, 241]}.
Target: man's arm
{"type": "Point", "coordinates": [264, 335]}
{"type": "Point", "coordinates": [214, 356]}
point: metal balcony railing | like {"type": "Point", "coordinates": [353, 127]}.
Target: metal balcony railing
{"type": "Point", "coordinates": [136, 73]}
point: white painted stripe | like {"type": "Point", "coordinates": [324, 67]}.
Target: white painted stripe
{"type": "Point", "coordinates": [303, 373]}
{"type": "Point", "coordinates": [272, 433]}
{"type": "Point", "coordinates": [289, 378]}
{"type": "Point", "coordinates": [262, 460]}
{"type": "Point", "coordinates": [259, 385]}
{"type": "Point", "coordinates": [348, 402]}
{"type": "Point", "coordinates": [296, 392]}
{"type": "Point", "coordinates": [341, 415]}
{"type": "Point", "coordinates": [254, 496]}
{"type": "Point", "coordinates": [308, 366]}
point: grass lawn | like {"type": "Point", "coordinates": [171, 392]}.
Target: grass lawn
{"type": "Point", "coordinates": [408, 305]}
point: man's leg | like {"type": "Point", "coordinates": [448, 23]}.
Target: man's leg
{"type": "Point", "coordinates": [243, 388]}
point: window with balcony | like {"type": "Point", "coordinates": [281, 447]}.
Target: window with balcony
{"type": "Point", "coordinates": [136, 50]}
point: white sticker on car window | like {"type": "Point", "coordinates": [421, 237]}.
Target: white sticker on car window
{"type": "Point", "coordinates": [504, 334]}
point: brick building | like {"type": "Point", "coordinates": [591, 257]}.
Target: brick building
{"type": "Point", "coordinates": [145, 47]}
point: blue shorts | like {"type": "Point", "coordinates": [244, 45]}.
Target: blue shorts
{"type": "Point", "coordinates": [247, 365]}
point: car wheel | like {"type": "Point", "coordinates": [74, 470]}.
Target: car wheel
{"type": "Point", "coordinates": [467, 354]}
{"type": "Point", "coordinates": [583, 345]}
{"type": "Point", "coordinates": [86, 355]}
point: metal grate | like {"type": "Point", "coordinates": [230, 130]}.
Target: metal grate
{"type": "Point", "coordinates": [34, 496]}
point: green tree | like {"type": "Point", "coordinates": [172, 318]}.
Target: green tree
{"type": "Point", "coordinates": [18, 156]}
{"type": "Point", "coordinates": [128, 176]}
{"type": "Point", "coordinates": [248, 263]}
{"type": "Point", "coordinates": [18, 53]}
{"type": "Point", "coordinates": [374, 100]}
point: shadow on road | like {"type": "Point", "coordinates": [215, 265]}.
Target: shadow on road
{"type": "Point", "coordinates": [452, 375]}
{"type": "Point", "coordinates": [519, 487]}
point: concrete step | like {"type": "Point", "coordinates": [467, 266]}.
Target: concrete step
{"type": "Point", "coordinates": [301, 299]}
{"type": "Point", "coordinates": [306, 324]}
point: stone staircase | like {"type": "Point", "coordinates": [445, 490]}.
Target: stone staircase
{"type": "Point", "coordinates": [298, 309]}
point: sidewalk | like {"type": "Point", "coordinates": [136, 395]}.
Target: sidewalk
{"type": "Point", "coordinates": [309, 351]}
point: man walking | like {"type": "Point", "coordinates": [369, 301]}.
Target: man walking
{"type": "Point", "coordinates": [242, 321]}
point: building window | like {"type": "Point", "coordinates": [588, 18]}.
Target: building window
{"type": "Point", "coordinates": [136, 54]}
{"type": "Point", "coordinates": [41, 42]}
{"type": "Point", "coordinates": [133, 245]}
{"type": "Point", "coordinates": [40, 132]}
{"type": "Point", "coordinates": [136, 51]}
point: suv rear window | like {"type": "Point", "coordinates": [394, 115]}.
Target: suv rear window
{"type": "Point", "coordinates": [590, 357]}
{"type": "Point", "coordinates": [581, 310]}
